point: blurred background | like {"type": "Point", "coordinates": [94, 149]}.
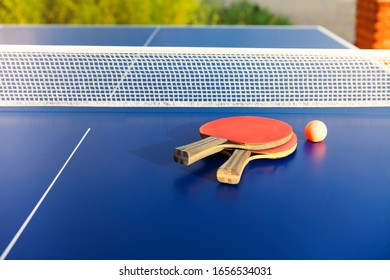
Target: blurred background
{"type": "Point", "coordinates": [335, 15]}
{"type": "Point", "coordinates": [339, 16]}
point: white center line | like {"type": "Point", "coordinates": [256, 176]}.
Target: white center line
{"type": "Point", "coordinates": [151, 37]}
{"type": "Point", "coordinates": [148, 41]}
{"type": "Point", "coordinates": [23, 227]}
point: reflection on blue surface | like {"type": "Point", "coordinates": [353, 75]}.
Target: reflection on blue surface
{"type": "Point", "coordinates": [315, 151]}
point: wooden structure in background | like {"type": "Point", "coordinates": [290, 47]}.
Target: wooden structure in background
{"type": "Point", "coordinates": [372, 24]}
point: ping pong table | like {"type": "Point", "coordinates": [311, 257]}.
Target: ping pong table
{"type": "Point", "coordinates": [101, 183]}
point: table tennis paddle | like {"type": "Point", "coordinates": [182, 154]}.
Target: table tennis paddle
{"type": "Point", "coordinates": [243, 132]}
{"type": "Point", "coordinates": [230, 172]}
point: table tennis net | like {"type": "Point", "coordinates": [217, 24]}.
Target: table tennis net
{"type": "Point", "coordinates": [194, 77]}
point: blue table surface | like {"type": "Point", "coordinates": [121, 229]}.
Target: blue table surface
{"type": "Point", "coordinates": [122, 196]}
{"type": "Point", "coordinates": [190, 36]}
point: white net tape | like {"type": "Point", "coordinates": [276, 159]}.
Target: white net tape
{"type": "Point", "coordinates": [199, 77]}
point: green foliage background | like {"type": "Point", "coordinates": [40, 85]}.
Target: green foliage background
{"type": "Point", "coordinates": [134, 12]}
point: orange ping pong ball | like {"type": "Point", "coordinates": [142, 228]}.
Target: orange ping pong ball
{"type": "Point", "coordinates": [316, 131]}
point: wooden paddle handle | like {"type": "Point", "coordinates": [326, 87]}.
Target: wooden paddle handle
{"type": "Point", "coordinates": [230, 172]}
{"type": "Point", "coordinates": [188, 154]}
